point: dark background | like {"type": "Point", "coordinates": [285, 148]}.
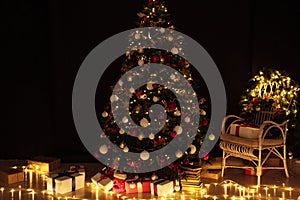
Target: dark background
{"type": "Point", "coordinates": [48, 40]}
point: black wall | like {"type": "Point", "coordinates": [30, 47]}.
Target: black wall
{"type": "Point", "coordinates": [48, 40]}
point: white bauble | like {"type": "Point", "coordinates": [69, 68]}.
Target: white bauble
{"type": "Point", "coordinates": [144, 155]}
{"type": "Point", "coordinates": [174, 50]}
{"type": "Point", "coordinates": [103, 149]}
{"type": "Point", "coordinates": [193, 149]}
{"type": "Point", "coordinates": [178, 129]}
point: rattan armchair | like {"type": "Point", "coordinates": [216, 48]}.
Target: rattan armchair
{"type": "Point", "coordinates": [256, 150]}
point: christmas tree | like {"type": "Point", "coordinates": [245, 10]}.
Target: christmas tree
{"type": "Point", "coordinates": [155, 14]}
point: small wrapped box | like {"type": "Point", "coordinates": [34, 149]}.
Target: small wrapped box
{"type": "Point", "coordinates": [252, 171]}
{"type": "Point", "coordinates": [78, 169]}
{"type": "Point", "coordinates": [162, 187]}
{"type": "Point", "coordinates": [244, 131]}
{"type": "Point", "coordinates": [106, 184]}
{"type": "Point", "coordinates": [11, 176]}
{"type": "Point", "coordinates": [136, 186]}
{"type": "Point", "coordinates": [60, 183]}
{"type": "Point", "coordinates": [43, 163]}
{"type": "Point", "coordinates": [63, 184]}
{"type": "Point", "coordinates": [120, 175]}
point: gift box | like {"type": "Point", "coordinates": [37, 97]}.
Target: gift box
{"type": "Point", "coordinates": [244, 131]}
{"type": "Point", "coordinates": [43, 163]}
{"type": "Point", "coordinates": [119, 185]}
{"type": "Point", "coordinates": [138, 186]}
{"type": "Point", "coordinates": [106, 184]}
{"type": "Point", "coordinates": [78, 169]}
{"type": "Point", "coordinates": [252, 171]}
{"type": "Point", "coordinates": [63, 185]}
{"type": "Point", "coordinates": [162, 187]}
{"type": "Point", "coordinates": [10, 176]}
{"type": "Point", "coordinates": [120, 175]}
{"type": "Point", "coordinates": [65, 182]}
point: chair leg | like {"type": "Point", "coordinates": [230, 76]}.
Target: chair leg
{"type": "Point", "coordinates": [259, 169]}
{"type": "Point", "coordinates": [223, 164]}
{"type": "Point", "coordinates": [284, 162]}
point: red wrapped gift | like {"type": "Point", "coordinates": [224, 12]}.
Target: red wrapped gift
{"type": "Point", "coordinates": [252, 171]}
{"type": "Point", "coordinates": [119, 185]}
{"type": "Point", "coordinates": [136, 186]}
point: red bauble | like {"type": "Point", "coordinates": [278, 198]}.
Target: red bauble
{"type": "Point", "coordinates": [145, 19]}
{"type": "Point", "coordinates": [206, 157]}
{"type": "Point", "coordinates": [139, 93]}
{"type": "Point", "coordinates": [172, 106]}
{"type": "Point", "coordinates": [204, 122]}
{"type": "Point", "coordinates": [155, 58]}
{"type": "Point", "coordinates": [173, 134]}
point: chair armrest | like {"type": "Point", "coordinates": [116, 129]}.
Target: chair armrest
{"type": "Point", "coordinates": [268, 125]}
{"type": "Point", "coordinates": [234, 118]}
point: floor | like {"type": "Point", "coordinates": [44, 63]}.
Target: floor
{"type": "Point", "coordinates": [235, 185]}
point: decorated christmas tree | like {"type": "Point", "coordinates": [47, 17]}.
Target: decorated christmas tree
{"type": "Point", "coordinates": [155, 14]}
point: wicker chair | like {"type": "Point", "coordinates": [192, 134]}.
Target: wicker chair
{"type": "Point", "coordinates": [252, 149]}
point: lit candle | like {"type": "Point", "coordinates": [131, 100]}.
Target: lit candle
{"type": "Point", "coordinates": [274, 190]}
{"type": "Point", "coordinates": [12, 193]}
{"type": "Point", "coordinates": [97, 194]}
{"type": "Point", "coordinates": [235, 189]}
{"type": "Point", "coordinates": [30, 179]}
{"type": "Point", "coordinates": [266, 188]}
{"type": "Point", "coordinates": [20, 195]}
{"type": "Point", "coordinates": [32, 194]}
{"type": "Point", "coordinates": [225, 189]}
{"type": "Point", "coordinates": [283, 195]}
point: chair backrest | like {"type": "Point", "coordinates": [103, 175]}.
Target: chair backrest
{"type": "Point", "coordinates": [263, 115]}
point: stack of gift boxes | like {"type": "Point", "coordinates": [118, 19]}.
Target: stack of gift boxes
{"type": "Point", "coordinates": [111, 180]}
{"type": "Point", "coordinates": [191, 177]}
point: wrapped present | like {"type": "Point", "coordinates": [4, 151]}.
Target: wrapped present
{"type": "Point", "coordinates": [243, 130]}
{"type": "Point", "coordinates": [138, 186]}
{"type": "Point", "coordinates": [43, 163]}
{"type": "Point", "coordinates": [120, 175]}
{"type": "Point", "coordinates": [106, 184]}
{"type": "Point", "coordinates": [252, 171]}
{"type": "Point", "coordinates": [104, 178]}
{"type": "Point", "coordinates": [10, 176]}
{"type": "Point", "coordinates": [162, 187]}
{"type": "Point", "coordinates": [65, 182]}
{"type": "Point", "coordinates": [119, 185]}
{"type": "Point", "coordinates": [78, 169]}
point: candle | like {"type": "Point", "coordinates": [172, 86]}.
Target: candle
{"type": "Point", "coordinates": [235, 189]}
{"type": "Point", "coordinates": [225, 189]}
{"type": "Point", "coordinates": [30, 179]}
{"type": "Point", "coordinates": [20, 195]}
{"type": "Point", "coordinates": [32, 194]}
{"type": "Point", "coordinates": [97, 194]}
{"type": "Point", "coordinates": [266, 188]}
{"type": "Point", "coordinates": [12, 193]}
{"type": "Point", "coordinates": [274, 190]}
{"type": "Point", "coordinates": [283, 195]}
